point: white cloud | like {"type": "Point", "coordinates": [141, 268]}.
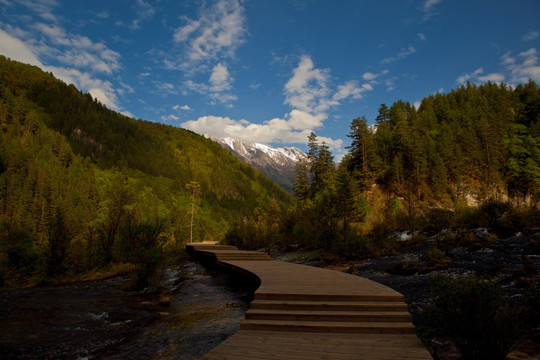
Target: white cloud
{"type": "Point", "coordinates": [76, 50]}
{"type": "Point", "coordinates": [101, 90]}
{"type": "Point", "coordinates": [524, 67]}
{"type": "Point", "coordinates": [144, 12]}
{"type": "Point", "coordinates": [206, 43]}
{"type": "Point", "coordinates": [43, 8]}
{"type": "Point", "coordinates": [301, 120]}
{"type": "Point", "coordinates": [477, 76]}
{"type": "Point", "coordinates": [125, 88]}
{"type": "Point", "coordinates": [220, 79]}
{"type": "Point", "coordinates": [220, 83]}
{"type": "Point", "coordinates": [164, 88]}
{"type": "Point", "coordinates": [106, 96]}
{"type": "Point", "coordinates": [493, 77]}
{"type": "Point", "coordinates": [466, 77]}
{"type": "Point", "coordinates": [295, 128]}
{"type": "Point", "coordinates": [422, 37]}
{"type": "Point", "coordinates": [217, 33]}
{"type": "Point", "coordinates": [307, 90]}
{"type": "Point", "coordinates": [428, 5]}
{"type": "Point", "coordinates": [351, 89]}
{"type": "Point", "coordinates": [531, 35]}
{"type": "Point", "coordinates": [403, 53]}
{"type": "Point", "coordinates": [390, 83]}
{"type": "Point", "coordinates": [178, 107]}
{"type": "Point", "coordinates": [26, 52]}
{"type": "Point", "coordinates": [15, 49]}
{"type": "Point", "coordinates": [371, 77]}
{"type": "Point", "coordinates": [310, 94]}
{"type": "Point", "coordinates": [429, 8]}
{"type": "Point", "coordinates": [170, 117]}
{"type": "Point", "coordinates": [103, 14]}
{"type": "Point", "coordinates": [517, 69]}
{"type": "Point", "coordinates": [128, 114]}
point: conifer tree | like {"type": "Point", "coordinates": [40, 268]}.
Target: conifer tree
{"type": "Point", "coordinates": [321, 164]}
{"type": "Point", "coordinates": [364, 161]}
{"type": "Point", "coordinates": [345, 200]}
{"type": "Point", "coordinates": [301, 180]}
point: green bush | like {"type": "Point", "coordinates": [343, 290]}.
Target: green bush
{"type": "Point", "coordinates": [141, 244]}
{"type": "Point", "coordinates": [439, 219]}
{"type": "Point", "coordinates": [493, 210]}
{"type": "Point", "coordinates": [18, 247]}
{"type": "Point", "coordinates": [438, 258]}
{"type": "Point", "coordinates": [519, 219]}
{"type": "Point", "coordinates": [469, 217]}
{"type": "Point", "coordinates": [358, 247]}
{"type": "Point", "coordinates": [474, 314]}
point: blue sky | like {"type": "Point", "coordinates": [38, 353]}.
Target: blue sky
{"type": "Point", "coordinates": [272, 71]}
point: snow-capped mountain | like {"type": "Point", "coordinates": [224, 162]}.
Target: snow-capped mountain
{"type": "Point", "coordinates": [277, 163]}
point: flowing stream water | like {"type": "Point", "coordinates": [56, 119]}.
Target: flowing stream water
{"type": "Point", "coordinates": [99, 320]}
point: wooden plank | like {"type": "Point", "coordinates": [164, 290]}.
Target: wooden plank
{"type": "Point", "coordinates": [329, 315]}
{"type": "Point", "coordinates": [302, 312]}
{"type": "Point", "coordinates": [328, 305]}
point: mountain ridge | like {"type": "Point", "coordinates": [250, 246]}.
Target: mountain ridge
{"type": "Point", "coordinates": [76, 177]}
{"type": "Point", "coordinates": [277, 163]}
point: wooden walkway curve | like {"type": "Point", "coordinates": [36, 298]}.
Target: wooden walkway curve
{"type": "Point", "coordinates": [304, 312]}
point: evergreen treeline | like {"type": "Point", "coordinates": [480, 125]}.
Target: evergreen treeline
{"type": "Point", "coordinates": [82, 186]}
{"type": "Point", "coordinates": [417, 169]}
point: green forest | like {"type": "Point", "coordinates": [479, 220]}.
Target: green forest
{"type": "Point", "coordinates": [83, 187]}
{"type": "Point", "coordinates": [465, 159]}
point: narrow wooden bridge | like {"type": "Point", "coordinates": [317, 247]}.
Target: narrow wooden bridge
{"type": "Point", "coordinates": [304, 312]}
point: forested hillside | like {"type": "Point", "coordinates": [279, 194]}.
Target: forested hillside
{"type": "Point", "coordinates": [467, 158]}
{"type": "Point", "coordinates": [77, 179]}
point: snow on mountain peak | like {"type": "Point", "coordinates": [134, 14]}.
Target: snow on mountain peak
{"type": "Point", "coordinates": [246, 149]}
{"type": "Point", "coordinates": [277, 163]}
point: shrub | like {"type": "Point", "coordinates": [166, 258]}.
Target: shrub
{"type": "Point", "coordinates": [357, 247]}
{"type": "Point", "coordinates": [141, 247]}
{"type": "Point", "coordinates": [468, 217]}
{"type": "Point", "coordinates": [474, 314]}
{"type": "Point", "coordinates": [18, 247]}
{"type": "Point", "coordinates": [493, 210]}
{"type": "Point", "coordinates": [438, 258]}
{"type": "Point", "coordinates": [439, 219]}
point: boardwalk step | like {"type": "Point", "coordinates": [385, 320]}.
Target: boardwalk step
{"type": "Point", "coordinates": [328, 305]}
{"type": "Point", "coordinates": [230, 258]}
{"type": "Point", "coordinates": [271, 345]}
{"type": "Point", "coordinates": [208, 246]}
{"type": "Point", "coordinates": [330, 327]}
{"type": "Point", "coordinates": [329, 297]}
{"type": "Point", "coordinates": [243, 256]}
{"type": "Point", "coordinates": [347, 316]}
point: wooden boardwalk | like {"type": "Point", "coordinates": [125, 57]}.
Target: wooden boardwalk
{"type": "Point", "coordinates": [304, 312]}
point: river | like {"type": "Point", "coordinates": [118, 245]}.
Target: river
{"type": "Point", "coordinates": [99, 320]}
